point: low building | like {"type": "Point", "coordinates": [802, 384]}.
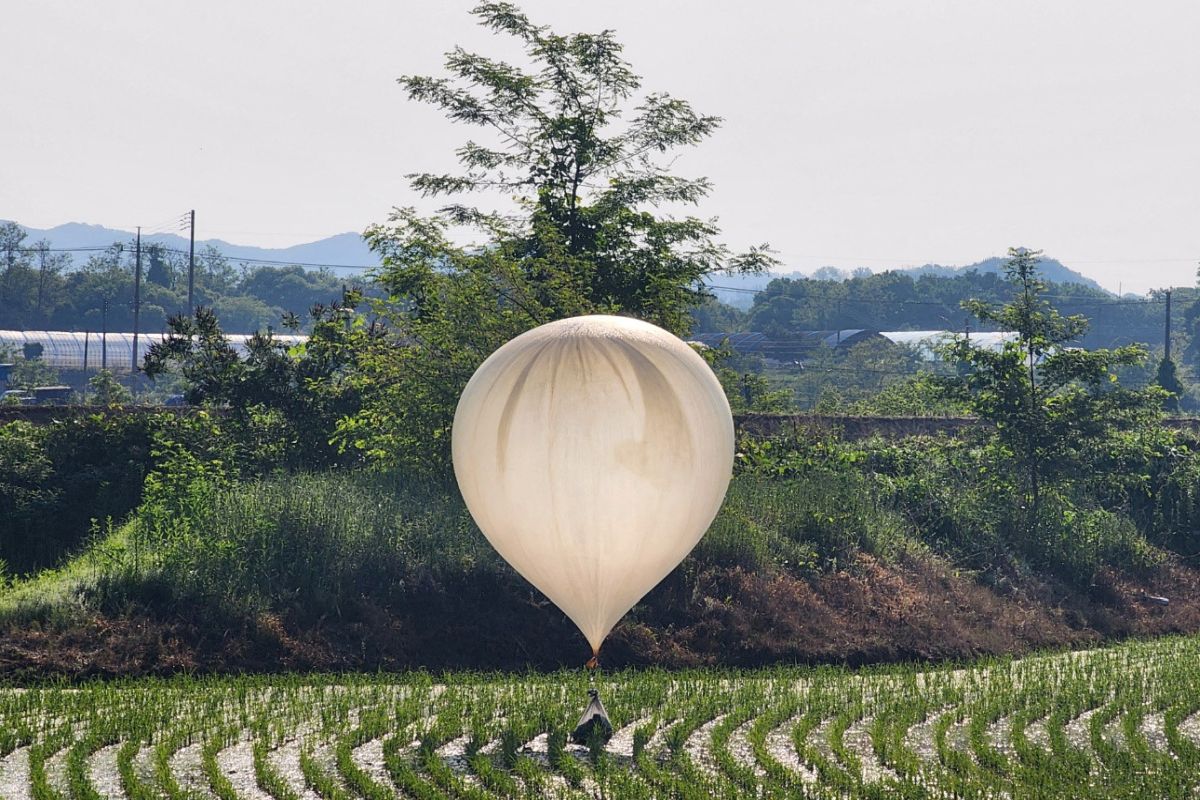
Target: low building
{"type": "Point", "coordinates": [926, 343]}
{"type": "Point", "coordinates": [797, 348]}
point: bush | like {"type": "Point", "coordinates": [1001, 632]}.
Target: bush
{"type": "Point", "coordinates": [954, 496]}
{"type": "Point", "coordinates": [314, 541]}
{"type": "Point", "coordinates": [1078, 544]}
{"type": "Point", "coordinates": [1163, 497]}
{"type": "Point", "coordinates": [56, 479]}
{"type": "Point", "coordinates": [802, 524]}
{"type": "Point", "coordinates": [948, 493]}
{"type": "Point", "coordinates": [311, 543]}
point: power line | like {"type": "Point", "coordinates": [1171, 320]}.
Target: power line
{"type": "Point", "coordinates": [32, 250]}
{"type": "Point", "coordinates": [291, 263]}
{"type": "Point", "coordinates": [162, 229]}
{"type": "Point", "coordinates": [805, 369]}
{"type": "Point", "coordinates": [238, 259]}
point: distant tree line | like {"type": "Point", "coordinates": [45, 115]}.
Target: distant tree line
{"type": "Point", "coordinates": [899, 301]}
{"type": "Point", "coordinates": [44, 289]}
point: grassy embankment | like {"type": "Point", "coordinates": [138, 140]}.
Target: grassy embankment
{"type": "Point", "coordinates": [825, 551]}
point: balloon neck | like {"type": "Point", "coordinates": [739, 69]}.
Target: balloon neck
{"type": "Point", "coordinates": [594, 661]}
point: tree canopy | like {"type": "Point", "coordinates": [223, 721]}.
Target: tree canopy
{"type": "Point", "coordinates": [1057, 410]}
{"type": "Point", "coordinates": [586, 160]}
{"type": "Point", "coordinates": [896, 300]}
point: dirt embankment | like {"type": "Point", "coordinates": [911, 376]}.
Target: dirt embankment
{"type": "Point", "coordinates": [867, 613]}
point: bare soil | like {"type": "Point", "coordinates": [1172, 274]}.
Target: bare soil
{"type": "Point", "coordinates": [868, 612]}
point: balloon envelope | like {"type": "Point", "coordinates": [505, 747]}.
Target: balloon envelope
{"type": "Point", "coordinates": [593, 452]}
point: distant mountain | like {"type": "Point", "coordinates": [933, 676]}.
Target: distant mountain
{"type": "Point", "coordinates": [349, 250]}
{"type": "Point", "coordinates": [1051, 270]}
{"type": "Point", "coordinates": [739, 290]}
{"type": "Point", "coordinates": [340, 250]}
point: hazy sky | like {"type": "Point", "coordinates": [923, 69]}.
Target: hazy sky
{"type": "Point", "coordinates": [857, 133]}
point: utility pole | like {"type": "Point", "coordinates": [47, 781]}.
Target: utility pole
{"type": "Point", "coordinates": [192, 264]}
{"type": "Point", "coordinates": [104, 336]}
{"type": "Point", "coordinates": [42, 255]}
{"type": "Point", "coordinates": [137, 297]}
{"type": "Point", "coordinates": [1167, 330]}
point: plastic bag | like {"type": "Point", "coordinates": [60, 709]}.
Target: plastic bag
{"type": "Point", "coordinates": [594, 716]}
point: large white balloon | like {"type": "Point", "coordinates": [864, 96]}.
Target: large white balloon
{"type": "Point", "coordinates": [593, 452]}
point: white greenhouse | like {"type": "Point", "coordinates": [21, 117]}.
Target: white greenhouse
{"type": "Point", "coordinates": [927, 342]}
{"type": "Point", "coordinates": [91, 351]}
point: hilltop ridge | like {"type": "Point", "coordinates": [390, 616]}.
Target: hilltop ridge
{"type": "Point", "coordinates": [739, 293]}
{"type": "Point", "coordinates": [340, 250]}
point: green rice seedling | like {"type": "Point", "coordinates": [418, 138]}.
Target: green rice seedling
{"type": "Point", "coordinates": [78, 782]}
{"type": "Point", "coordinates": [595, 746]}
{"type": "Point", "coordinates": [218, 781]}
{"type": "Point", "coordinates": [1114, 722]}
{"type": "Point", "coordinates": [133, 786]}
{"type": "Point", "coordinates": [167, 746]}
{"type": "Point", "coordinates": [265, 775]}
{"type": "Point", "coordinates": [556, 744]}
{"type": "Point", "coordinates": [403, 773]}
{"type": "Point", "coordinates": [319, 780]}
{"type": "Point", "coordinates": [741, 775]}
{"type": "Point", "coordinates": [496, 781]}
{"type": "Point", "coordinates": [39, 784]}
{"type": "Point", "coordinates": [641, 737]}
{"type": "Point", "coordinates": [510, 744]}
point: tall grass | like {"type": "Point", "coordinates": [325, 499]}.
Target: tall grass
{"type": "Point", "coordinates": [321, 538]}
{"type": "Point", "coordinates": [318, 541]}
{"type": "Point", "coordinates": [803, 524]}
{"type": "Point", "coordinates": [325, 538]}
{"type": "Point", "coordinates": [314, 542]}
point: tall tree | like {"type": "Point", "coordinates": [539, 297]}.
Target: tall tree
{"type": "Point", "coordinates": [292, 395]}
{"type": "Point", "coordinates": [1167, 379]}
{"type": "Point", "coordinates": [50, 266]}
{"type": "Point", "coordinates": [1052, 404]}
{"type": "Point", "coordinates": [18, 279]}
{"type": "Point", "coordinates": [159, 269]}
{"type": "Point", "coordinates": [587, 160]}
{"type": "Point", "coordinates": [11, 249]}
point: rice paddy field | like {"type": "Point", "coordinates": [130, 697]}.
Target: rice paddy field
{"type": "Point", "coordinates": [1116, 722]}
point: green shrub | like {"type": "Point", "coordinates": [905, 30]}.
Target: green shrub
{"type": "Point", "coordinates": [1076, 544]}
{"type": "Point", "coordinates": [56, 479]}
{"type": "Point", "coordinates": [305, 540]}
{"type": "Point", "coordinates": [1166, 502]}
{"type": "Point", "coordinates": [831, 498]}
{"type": "Point", "coordinates": [802, 524]}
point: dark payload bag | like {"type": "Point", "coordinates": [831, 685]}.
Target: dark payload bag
{"type": "Point", "coordinates": [594, 716]}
